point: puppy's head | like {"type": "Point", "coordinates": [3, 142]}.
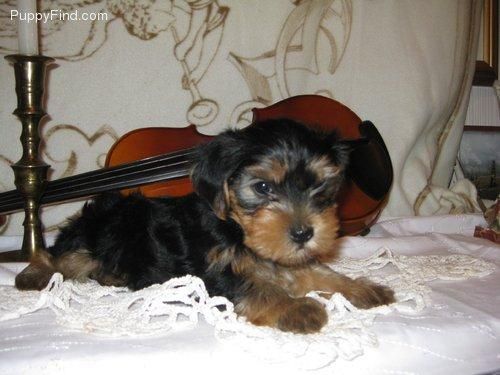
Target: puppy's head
{"type": "Point", "coordinates": [278, 180]}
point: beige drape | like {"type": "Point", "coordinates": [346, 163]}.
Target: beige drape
{"type": "Point", "coordinates": [405, 65]}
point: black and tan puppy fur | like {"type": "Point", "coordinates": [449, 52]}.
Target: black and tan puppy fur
{"type": "Point", "coordinates": [258, 229]}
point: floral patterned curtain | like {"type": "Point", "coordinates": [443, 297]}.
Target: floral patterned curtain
{"type": "Point", "coordinates": [123, 65]}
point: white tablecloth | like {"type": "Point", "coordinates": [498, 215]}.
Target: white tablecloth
{"type": "Point", "coordinates": [457, 333]}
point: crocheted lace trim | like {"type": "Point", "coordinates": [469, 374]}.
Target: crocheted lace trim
{"type": "Point", "coordinates": [179, 303]}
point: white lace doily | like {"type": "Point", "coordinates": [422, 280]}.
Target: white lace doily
{"type": "Point", "coordinates": [179, 303]}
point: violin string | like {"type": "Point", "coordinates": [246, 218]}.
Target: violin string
{"type": "Point", "coordinates": [12, 200]}
{"type": "Point", "coordinates": [117, 184]}
{"type": "Point", "coordinates": [142, 164]}
{"type": "Point", "coordinates": [116, 170]}
{"type": "Point", "coordinates": [151, 167]}
{"type": "Point", "coordinates": [110, 179]}
{"type": "Point", "coordinates": [181, 170]}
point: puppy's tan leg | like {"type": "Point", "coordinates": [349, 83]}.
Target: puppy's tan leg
{"type": "Point", "coordinates": [77, 265]}
{"type": "Point", "coordinates": [38, 273]}
{"type": "Point", "coordinates": [269, 305]}
{"type": "Point", "coordinates": [362, 293]}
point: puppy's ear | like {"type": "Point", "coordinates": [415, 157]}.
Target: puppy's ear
{"type": "Point", "coordinates": [215, 162]}
{"type": "Point", "coordinates": [339, 150]}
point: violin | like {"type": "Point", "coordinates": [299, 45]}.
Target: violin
{"type": "Point", "coordinates": [157, 162]}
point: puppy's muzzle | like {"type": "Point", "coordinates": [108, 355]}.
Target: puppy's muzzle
{"type": "Point", "coordinates": [300, 234]}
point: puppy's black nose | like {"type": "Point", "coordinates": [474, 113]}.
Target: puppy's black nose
{"type": "Point", "coordinates": [301, 234]}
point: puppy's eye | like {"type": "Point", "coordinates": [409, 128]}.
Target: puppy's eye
{"type": "Point", "coordinates": [263, 188]}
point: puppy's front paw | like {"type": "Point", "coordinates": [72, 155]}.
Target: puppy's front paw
{"type": "Point", "coordinates": [305, 315]}
{"type": "Point", "coordinates": [366, 294]}
{"type": "Point", "coordinates": [34, 277]}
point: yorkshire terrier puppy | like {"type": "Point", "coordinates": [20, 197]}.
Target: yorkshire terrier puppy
{"type": "Point", "coordinates": [258, 230]}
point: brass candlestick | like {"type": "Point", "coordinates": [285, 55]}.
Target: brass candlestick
{"type": "Point", "coordinates": [30, 171]}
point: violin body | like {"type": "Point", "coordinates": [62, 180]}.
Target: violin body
{"type": "Point", "coordinates": [143, 143]}
{"type": "Point", "coordinates": [368, 177]}
{"type": "Point", "coordinates": [157, 162]}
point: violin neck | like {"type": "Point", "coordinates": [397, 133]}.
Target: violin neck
{"type": "Point", "coordinates": [158, 168]}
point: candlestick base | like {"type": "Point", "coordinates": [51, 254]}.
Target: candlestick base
{"type": "Point", "coordinates": [30, 171]}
